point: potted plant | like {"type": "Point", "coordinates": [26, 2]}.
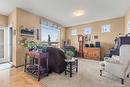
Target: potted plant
{"type": "Point", "coordinates": [30, 45]}
{"type": "Point", "coordinates": [69, 54]}
{"type": "Point", "coordinates": [41, 46]}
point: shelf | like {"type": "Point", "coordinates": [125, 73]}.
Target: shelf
{"type": "Point", "coordinates": [52, 42]}
{"type": "Point", "coordinates": [28, 35]}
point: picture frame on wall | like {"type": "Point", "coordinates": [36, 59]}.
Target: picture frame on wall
{"type": "Point", "coordinates": [87, 33]}
{"type": "Point", "coordinates": [87, 37]}
{"type": "Point", "coordinates": [38, 34]}
{"type": "Point", "coordinates": [28, 32]}
{"type": "Point", "coordinates": [95, 36]}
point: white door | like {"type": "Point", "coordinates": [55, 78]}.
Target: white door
{"type": "Point", "coordinates": [4, 53]}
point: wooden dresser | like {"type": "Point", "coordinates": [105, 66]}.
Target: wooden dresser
{"type": "Point", "coordinates": [92, 53]}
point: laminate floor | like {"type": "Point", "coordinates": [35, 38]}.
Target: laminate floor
{"type": "Point", "coordinates": [15, 77]}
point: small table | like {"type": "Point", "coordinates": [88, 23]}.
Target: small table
{"type": "Point", "coordinates": [35, 55]}
{"type": "Point", "coordinates": [71, 65]}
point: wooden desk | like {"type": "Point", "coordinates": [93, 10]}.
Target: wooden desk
{"type": "Point", "coordinates": [92, 53]}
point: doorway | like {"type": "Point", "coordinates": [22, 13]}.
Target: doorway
{"type": "Point", "coordinates": [5, 45]}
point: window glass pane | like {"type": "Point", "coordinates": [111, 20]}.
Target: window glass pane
{"type": "Point", "coordinates": [73, 32]}
{"type": "Point", "coordinates": [87, 31]}
{"type": "Point", "coordinates": [128, 24]}
{"type": "Point", "coordinates": [1, 43]}
{"type": "Point", "coordinates": [106, 28]}
{"type": "Point", "coordinates": [53, 32]}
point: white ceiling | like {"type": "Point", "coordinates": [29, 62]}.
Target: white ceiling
{"type": "Point", "coordinates": [61, 11]}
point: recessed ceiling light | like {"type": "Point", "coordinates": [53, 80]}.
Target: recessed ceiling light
{"type": "Point", "coordinates": [79, 13]}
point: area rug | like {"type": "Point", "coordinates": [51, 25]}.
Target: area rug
{"type": "Point", "coordinates": [87, 76]}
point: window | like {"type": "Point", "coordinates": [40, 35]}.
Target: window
{"type": "Point", "coordinates": [73, 32]}
{"type": "Point", "coordinates": [87, 31]}
{"type": "Point", "coordinates": [128, 24]}
{"type": "Point", "coordinates": [52, 31]}
{"type": "Point", "coordinates": [106, 28]}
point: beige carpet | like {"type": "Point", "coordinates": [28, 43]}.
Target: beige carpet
{"type": "Point", "coordinates": [88, 76]}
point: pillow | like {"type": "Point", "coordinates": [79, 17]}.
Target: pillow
{"type": "Point", "coordinates": [114, 59]}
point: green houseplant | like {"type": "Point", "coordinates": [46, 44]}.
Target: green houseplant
{"type": "Point", "coordinates": [33, 45]}
{"type": "Point", "coordinates": [30, 45]}
{"type": "Point", "coordinates": [69, 54]}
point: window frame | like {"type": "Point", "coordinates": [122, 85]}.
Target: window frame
{"type": "Point", "coordinates": [73, 32]}
{"type": "Point", "coordinates": [40, 34]}
{"type": "Point", "coordinates": [106, 28]}
{"type": "Point", "coordinates": [89, 31]}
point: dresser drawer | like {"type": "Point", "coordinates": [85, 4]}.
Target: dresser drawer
{"type": "Point", "coordinates": [92, 53]}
